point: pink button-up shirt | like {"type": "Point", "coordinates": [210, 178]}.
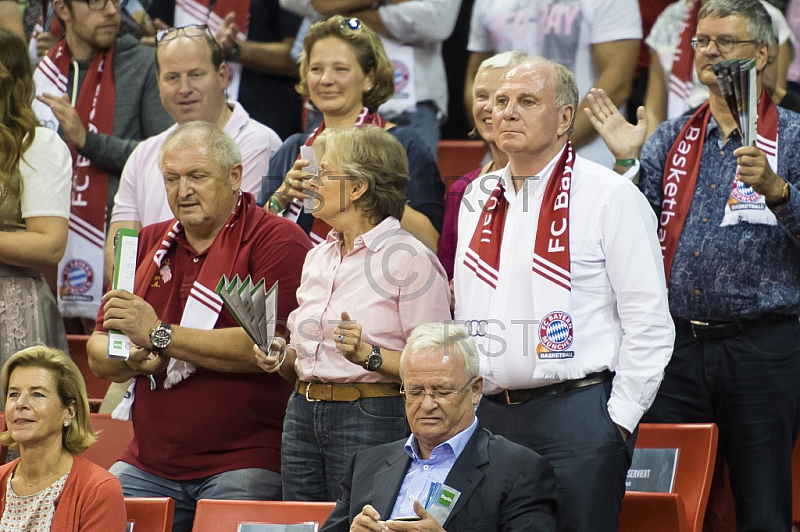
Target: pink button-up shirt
{"type": "Point", "coordinates": [389, 283]}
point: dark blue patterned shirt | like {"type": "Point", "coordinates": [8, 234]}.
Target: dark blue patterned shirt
{"type": "Point", "coordinates": [740, 271]}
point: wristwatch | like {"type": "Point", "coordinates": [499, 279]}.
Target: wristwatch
{"type": "Point", "coordinates": [374, 359]}
{"type": "Point", "coordinates": [161, 337]}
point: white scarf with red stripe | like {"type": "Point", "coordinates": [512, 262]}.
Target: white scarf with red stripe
{"type": "Point", "coordinates": [203, 304]}
{"type": "Point", "coordinates": [80, 271]}
{"type": "Point", "coordinates": [681, 80]}
{"type": "Point", "coordinates": [556, 352]}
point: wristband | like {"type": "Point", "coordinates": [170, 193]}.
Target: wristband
{"type": "Point", "coordinates": [624, 162]}
{"type": "Point", "coordinates": [275, 205]}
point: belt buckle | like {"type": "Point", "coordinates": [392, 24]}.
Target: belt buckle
{"type": "Point", "coordinates": [509, 401]}
{"type": "Point", "coordinates": [697, 323]}
{"type": "Point", "coordinates": [310, 400]}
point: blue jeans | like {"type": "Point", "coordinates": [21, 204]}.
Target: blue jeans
{"type": "Point", "coordinates": [424, 120]}
{"type": "Point", "coordinates": [242, 484]}
{"type": "Point", "coordinates": [320, 438]}
{"type": "Point", "coordinates": [574, 431]}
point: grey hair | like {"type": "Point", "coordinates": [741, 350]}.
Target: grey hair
{"type": "Point", "coordinates": [759, 21]}
{"type": "Point", "coordinates": [208, 138]}
{"type": "Point", "coordinates": [449, 337]}
{"type": "Point", "coordinates": [566, 88]}
{"type": "Point", "coordinates": [503, 60]}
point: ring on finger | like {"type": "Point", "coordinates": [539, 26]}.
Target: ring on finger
{"type": "Point", "coordinates": [341, 338]}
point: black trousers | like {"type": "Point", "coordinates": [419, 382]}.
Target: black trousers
{"type": "Point", "coordinates": [749, 385]}
{"type": "Point", "coordinates": [574, 431]}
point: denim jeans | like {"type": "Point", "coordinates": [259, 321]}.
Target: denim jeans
{"type": "Point", "coordinates": [319, 438]}
{"type": "Point", "coordinates": [242, 484]}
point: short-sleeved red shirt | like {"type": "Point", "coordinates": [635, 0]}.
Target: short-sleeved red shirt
{"type": "Point", "coordinates": [214, 422]}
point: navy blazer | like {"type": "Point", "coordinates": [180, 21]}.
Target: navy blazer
{"type": "Point", "coordinates": [504, 486]}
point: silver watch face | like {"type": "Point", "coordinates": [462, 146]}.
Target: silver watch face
{"type": "Point", "coordinates": [374, 360]}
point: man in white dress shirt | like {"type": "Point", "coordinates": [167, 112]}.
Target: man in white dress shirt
{"type": "Point", "coordinates": [559, 278]}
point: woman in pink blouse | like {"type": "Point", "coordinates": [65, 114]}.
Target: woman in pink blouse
{"type": "Point", "coordinates": [48, 487]}
{"type": "Point", "coordinates": [362, 293]}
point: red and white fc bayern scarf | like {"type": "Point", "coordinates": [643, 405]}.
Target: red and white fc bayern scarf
{"type": "Point", "coordinates": [680, 176]}
{"type": "Point", "coordinates": [552, 282]}
{"type": "Point", "coordinates": [80, 272]}
{"type": "Point", "coordinates": [320, 229]}
{"type": "Point", "coordinates": [203, 304]}
{"type": "Point", "coordinates": [680, 80]}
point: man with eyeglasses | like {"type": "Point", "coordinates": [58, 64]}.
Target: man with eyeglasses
{"type": "Point", "coordinates": [192, 80]}
{"type": "Point", "coordinates": [100, 93]}
{"type": "Point", "coordinates": [501, 486]}
{"type": "Point", "coordinates": [730, 235]}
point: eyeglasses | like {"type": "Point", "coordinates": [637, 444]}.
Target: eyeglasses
{"type": "Point", "coordinates": [192, 30]}
{"type": "Point", "coordinates": [99, 5]}
{"type": "Point", "coordinates": [724, 44]}
{"type": "Point", "coordinates": [352, 24]}
{"type": "Point", "coordinates": [439, 396]}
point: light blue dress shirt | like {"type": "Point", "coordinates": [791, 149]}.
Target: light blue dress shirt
{"type": "Point", "coordinates": [422, 473]}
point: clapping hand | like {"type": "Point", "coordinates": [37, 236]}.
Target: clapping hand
{"type": "Point", "coordinates": [622, 138]}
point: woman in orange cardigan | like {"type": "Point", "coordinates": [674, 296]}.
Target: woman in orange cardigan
{"type": "Point", "coordinates": [48, 487]}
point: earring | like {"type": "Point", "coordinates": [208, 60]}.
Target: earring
{"type": "Point", "coordinates": [66, 423]}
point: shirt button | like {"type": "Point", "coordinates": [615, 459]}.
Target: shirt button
{"type": "Point", "coordinates": [696, 253]}
{"type": "Point", "coordinates": [713, 186]}
{"type": "Point", "coordinates": [705, 220]}
{"type": "Point", "coordinates": [195, 259]}
{"type": "Point", "coordinates": [722, 152]}
{"type": "Point", "coordinates": [697, 292]}
{"type": "Point", "coordinates": [410, 497]}
{"type": "Point", "coordinates": [425, 467]}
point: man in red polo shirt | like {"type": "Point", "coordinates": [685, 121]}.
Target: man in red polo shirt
{"type": "Point", "coordinates": [207, 421]}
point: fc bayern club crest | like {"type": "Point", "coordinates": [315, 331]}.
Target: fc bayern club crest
{"type": "Point", "coordinates": [77, 277]}
{"type": "Point", "coordinates": [555, 331]}
{"type": "Point", "coordinates": [401, 76]}
{"type": "Point", "coordinates": [745, 193]}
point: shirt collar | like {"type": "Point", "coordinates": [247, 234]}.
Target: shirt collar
{"type": "Point", "coordinates": [533, 184]}
{"type": "Point", "coordinates": [374, 239]}
{"type": "Point", "coordinates": [455, 444]}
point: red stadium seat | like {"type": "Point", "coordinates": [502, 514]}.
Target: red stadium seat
{"type": "Point", "coordinates": [112, 439]}
{"type": "Point", "coordinates": [458, 157]}
{"type": "Point", "coordinates": [225, 516]}
{"type": "Point", "coordinates": [150, 514]}
{"type": "Point", "coordinates": [96, 387]}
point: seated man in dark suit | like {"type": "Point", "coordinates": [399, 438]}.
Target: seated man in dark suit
{"type": "Point", "coordinates": [503, 486]}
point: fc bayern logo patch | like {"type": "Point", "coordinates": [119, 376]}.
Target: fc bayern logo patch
{"type": "Point", "coordinates": [745, 193]}
{"type": "Point", "coordinates": [555, 331]}
{"type": "Point", "coordinates": [401, 75]}
{"type": "Point", "coordinates": [77, 277]}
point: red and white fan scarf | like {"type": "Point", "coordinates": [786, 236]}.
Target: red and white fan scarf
{"type": "Point", "coordinates": [203, 304]}
{"type": "Point", "coordinates": [552, 282]}
{"type": "Point", "coordinates": [320, 229]}
{"type": "Point", "coordinates": [681, 81]}
{"type": "Point", "coordinates": [80, 272]}
{"type": "Point", "coordinates": [212, 13]}
{"type": "Point", "coordinates": [680, 176]}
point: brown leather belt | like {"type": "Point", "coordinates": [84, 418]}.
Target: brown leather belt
{"type": "Point", "coordinates": [515, 397]}
{"type": "Point", "coordinates": [346, 391]}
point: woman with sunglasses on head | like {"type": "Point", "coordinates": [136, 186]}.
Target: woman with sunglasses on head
{"type": "Point", "coordinates": [50, 488]}
{"type": "Point", "coordinates": [35, 181]}
{"type": "Point", "coordinates": [345, 73]}
{"type": "Point", "coordinates": [361, 294]}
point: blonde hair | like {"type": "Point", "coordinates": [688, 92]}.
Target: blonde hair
{"type": "Point", "coordinates": [18, 124]}
{"type": "Point", "coordinates": [70, 387]}
{"type": "Point", "coordinates": [369, 52]}
{"type": "Point", "coordinates": [370, 155]}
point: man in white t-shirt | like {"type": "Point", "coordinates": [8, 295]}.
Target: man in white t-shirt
{"type": "Point", "coordinates": [559, 278]}
{"type": "Point", "coordinates": [598, 40]}
{"type": "Point", "coordinates": [192, 78]}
